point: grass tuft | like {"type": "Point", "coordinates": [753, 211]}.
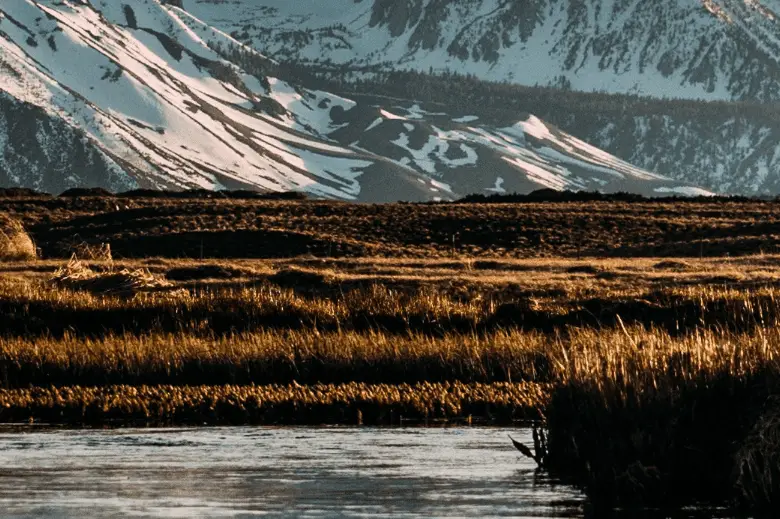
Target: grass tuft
{"type": "Point", "coordinates": [15, 243]}
{"type": "Point", "coordinates": [758, 461]}
{"type": "Point", "coordinates": [78, 276]}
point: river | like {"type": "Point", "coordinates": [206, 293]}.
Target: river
{"type": "Point", "coordinates": [277, 472]}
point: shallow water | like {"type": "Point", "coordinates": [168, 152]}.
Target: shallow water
{"type": "Point", "coordinates": [279, 472]}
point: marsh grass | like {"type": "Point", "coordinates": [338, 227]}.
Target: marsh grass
{"type": "Point", "coordinates": [609, 361]}
{"type": "Point", "coordinates": [271, 356]}
{"type": "Point", "coordinates": [651, 420]}
{"type": "Point", "coordinates": [643, 387]}
{"type": "Point", "coordinates": [86, 306]}
{"type": "Point", "coordinates": [758, 461]}
{"type": "Point", "coordinates": [15, 242]}
{"type": "Point", "coordinates": [352, 403]}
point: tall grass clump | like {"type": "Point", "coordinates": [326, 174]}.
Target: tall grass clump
{"type": "Point", "coordinates": [15, 243]}
{"type": "Point", "coordinates": [758, 461]}
{"type": "Point", "coordinates": [652, 420]}
{"type": "Point", "coordinates": [78, 276]}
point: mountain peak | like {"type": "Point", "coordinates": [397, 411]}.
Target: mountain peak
{"type": "Point", "coordinates": [162, 99]}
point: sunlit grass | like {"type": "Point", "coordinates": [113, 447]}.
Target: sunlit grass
{"type": "Point", "coordinates": [350, 403]}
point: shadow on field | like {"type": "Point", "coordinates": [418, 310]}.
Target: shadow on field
{"type": "Point", "coordinates": [222, 244]}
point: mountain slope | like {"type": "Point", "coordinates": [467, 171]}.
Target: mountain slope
{"type": "Point", "coordinates": [140, 87]}
{"type": "Point", "coordinates": [45, 153]}
{"type": "Point", "coordinates": [717, 50]}
{"type": "Point", "coordinates": [708, 49]}
{"type": "Point", "coordinates": [726, 147]}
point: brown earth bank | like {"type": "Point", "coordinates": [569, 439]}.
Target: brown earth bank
{"type": "Point", "coordinates": [172, 227]}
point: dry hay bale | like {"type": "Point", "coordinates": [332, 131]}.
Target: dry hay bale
{"type": "Point", "coordinates": [758, 462]}
{"type": "Point", "coordinates": [15, 243]}
{"type": "Point", "coordinates": [76, 275]}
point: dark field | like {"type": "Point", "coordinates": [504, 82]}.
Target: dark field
{"type": "Point", "coordinates": [640, 337]}
{"type": "Point", "coordinates": [229, 228]}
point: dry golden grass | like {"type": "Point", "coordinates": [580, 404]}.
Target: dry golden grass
{"type": "Point", "coordinates": [352, 403]}
{"type": "Point", "coordinates": [651, 420]}
{"type": "Point", "coordinates": [652, 356]}
{"type": "Point", "coordinates": [77, 275]}
{"type": "Point", "coordinates": [607, 360]}
{"type": "Point", "coordinates": [15, 243]}
{"type": "Point", "coordinates": [465, 278]}
{"type": "Point", "coordinates": [633, 365]}
{"type": "Point", "coordinates": [43, 308]}
{"type": "Point", "coordinates": [277, 357]}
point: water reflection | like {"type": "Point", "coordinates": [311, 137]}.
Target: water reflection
{"type": "Point", "coordinates": [280, 472]}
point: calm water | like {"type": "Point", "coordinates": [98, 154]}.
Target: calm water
{"type": "Point", "coordinates": [279, 472]}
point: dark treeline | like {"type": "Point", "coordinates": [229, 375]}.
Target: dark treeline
{"type": "Point", "coordinates": [537, 196]}
{"type": "Point", "coordinates": [467, 93]}
{"type": "Point", "coordinates": [551, 195]}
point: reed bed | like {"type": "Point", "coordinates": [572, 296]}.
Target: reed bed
{"type": "Point", "coordinates": [609, 360]}
{"type": "Point", "coordinates": [653, 420]}
{"type": "Point", "coordinates": [353, 403]}
{"type": "Point", "coordinates": [638, 415]}
{"type": "Point", "coordinates": [42, 309]}
{"type": "Point", "coordinates": [274, 356]}
{"type": "Point", "coordinates": [660, 397]}
{"type": "Point", "coordinates": [35, 309]}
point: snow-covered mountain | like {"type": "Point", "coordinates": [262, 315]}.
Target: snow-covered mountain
{"type": "Point", "coordinates": [708, 49]}
{"type": "Point", "coordinates": [131, 94]}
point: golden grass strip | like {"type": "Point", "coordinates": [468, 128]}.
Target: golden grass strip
{"type": "Point", "coordinates": [39, 309]}
{"type": "Point", "coordinates": [274, 356]}
{"type": "Point", "coordinates": [608, 359]}
{"type": "Point", "coordinates": [274, 404]}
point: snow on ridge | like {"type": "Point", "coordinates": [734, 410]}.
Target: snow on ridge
{"type": "Point", "coordinates": [147, 88]}
{"type": "Point", "coordinates": [141, 94]}
{"type": "Point", "coordinates": [684, 191]}
{"type": "Point", "coordinates": [531, 45]}
{"type": "Point", "coordinates": [466, 119]}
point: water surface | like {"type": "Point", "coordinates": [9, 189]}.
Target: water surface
{"type": "Point", "coordinates": [278, 472]}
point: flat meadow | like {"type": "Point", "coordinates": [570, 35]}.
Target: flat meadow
{"type": "Point", "coordinates": [640, 339]}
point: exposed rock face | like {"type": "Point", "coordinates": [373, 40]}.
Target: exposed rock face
{"type": "Point", "coordinates": [45, 153]}
{"type": "Point", "coordinates": [713, 49]}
